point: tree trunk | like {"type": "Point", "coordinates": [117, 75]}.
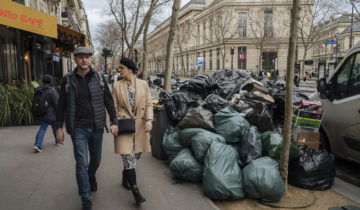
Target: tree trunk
{"type": "Point", "coordinates": [145, 53]}
{"type": "Point", "coordinates": [170, 45]}
{"type": "Point", "coordinates": [302, 70]}
{"type": "Point", "coordinates": [284, 159]}
{"type": "Point", "coordinates": [260, 57]}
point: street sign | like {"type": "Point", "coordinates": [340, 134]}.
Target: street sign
{"type": "Point", "coordinates": [331, 42]}
{"type": "Point", "coordinates": [200, 61]}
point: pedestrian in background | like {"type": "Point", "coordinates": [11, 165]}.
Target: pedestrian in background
{"type": "Point", "coordinates": [296, 79]}
{"type": "Point", "coordinates": [44, 107]}
{"type": "Point", "coordinates": [132, 100]}
{"type": "Point", "coordinates": [84, 95]}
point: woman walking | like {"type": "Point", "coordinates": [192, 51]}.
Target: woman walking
{"type": "Point", "coordinates": [134, 110]}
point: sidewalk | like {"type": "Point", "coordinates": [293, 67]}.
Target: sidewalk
{"type": "Point", "coordinates": [46, 181]}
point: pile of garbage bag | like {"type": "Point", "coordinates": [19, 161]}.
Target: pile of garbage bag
{"type": "Point", "coordinates": [225, 136]}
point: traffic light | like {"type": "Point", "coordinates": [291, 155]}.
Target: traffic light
{"type": "Point", "coordinates": [135, 52]}
{"type": "Point", "coordinates": [232, 50]}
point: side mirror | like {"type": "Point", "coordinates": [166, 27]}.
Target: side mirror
{"type": "Point", "coordinates": [324, 89]}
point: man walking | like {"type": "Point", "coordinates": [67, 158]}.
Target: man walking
{"type": "Point", "coordinates": [84, 95]}
{"type": "Point", "coordinates": [44, 108]}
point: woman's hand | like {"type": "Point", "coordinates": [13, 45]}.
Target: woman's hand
{"type": "Point", "coordinates": [148, 126]}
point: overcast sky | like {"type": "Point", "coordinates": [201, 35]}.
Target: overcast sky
{"type": "Point", "coordinates": [95, 10]}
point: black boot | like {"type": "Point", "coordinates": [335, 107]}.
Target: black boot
{"type": "Point", "coordinates": [138, 197]}
{"type": "Point", "coordinates": [86, 204]}
{"type": "Point", "coordinates": [93, 184]}
{"type": "Point", "coordinates": [125, 182]}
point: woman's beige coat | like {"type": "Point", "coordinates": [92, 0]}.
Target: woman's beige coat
{"type": "Point", "coordinates": [143, 110]}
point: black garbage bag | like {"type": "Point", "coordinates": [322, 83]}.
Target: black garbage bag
{"type": "Point", "coordinates": [231, 125]}
{"type": "Point", "coordinates": [185, 167]}
{"type": "Point", "coordinates": [201, 142]}
{"type": "Point", "coordinates": [175, 104]}
{"type": "Point", "coordinates": [200, 84]}
{"type": "Point", "coordinates": [198, 117]}
{"type": "Point", "coordinates": [259, 116]}
{"type": "Point", "coordinates": [226, 83]}
{"type": "Point", "coordinates": [262, 180]}
{"type": "Point", "coordinates": [215, 103]}
{"type": "Point", "coordinates": [313, 170]}
{"type": "Point", "coordinates": [272, 142]}
{"type": "Point", "coordinates": [222, 179]}
{"type": "Point", "coordinates": [171, 143]}
{"type": "Point", "coordinates": [251, 145]}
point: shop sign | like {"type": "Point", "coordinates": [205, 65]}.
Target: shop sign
{"type": "Point", "coordinates": [25, 18]}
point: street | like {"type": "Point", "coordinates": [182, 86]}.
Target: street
{"type": "Point", "coordinates": [46, 180]}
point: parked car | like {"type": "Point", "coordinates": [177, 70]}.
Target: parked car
{"type": "Point", "coordinates": [340, 95]}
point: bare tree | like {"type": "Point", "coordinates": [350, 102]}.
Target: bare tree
{"type": "Point", "coordinates": [180, 40]}
{"type": "Point", "coordinates": [222, 29]}
{"type": "Point", "coordinates": [259, 31]}
{"type": "Point", "coordinates": [309, 16]}
{"type": "Point", "coordinates": [284, 158]}
{"type": "Point", "coordinates": [131, 16]}
{"type": "Point", "coordinates": [108, 34]}
{"type": "Point", "coordinates": [155, 5]}
{"type": "Point", "coordinates": [170, 45]}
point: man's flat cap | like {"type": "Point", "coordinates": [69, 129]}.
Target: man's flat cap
{"type": "Point", "coordinates": [82, 50]}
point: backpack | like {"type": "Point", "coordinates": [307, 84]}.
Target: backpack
{"type": "Point", "coordinates": [40, 103]}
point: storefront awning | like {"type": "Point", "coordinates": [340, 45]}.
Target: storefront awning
{"type": "Point", "coordinates": [25, 18]}
{"type": "Point", "coordinates": [68, 38]}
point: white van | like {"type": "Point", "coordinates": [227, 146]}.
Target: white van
{"type": "Point", "coordinates": [340, 96]}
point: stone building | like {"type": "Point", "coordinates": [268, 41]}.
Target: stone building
{"type": "Point", "coordinates": [37, 38]}
{"type": "Point", "coordinates": [226, 34]}
{"type": "Point", "coordinates": [333, 43]}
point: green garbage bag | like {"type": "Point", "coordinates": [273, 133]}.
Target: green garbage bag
{"type": "Point", "coordinates": [236, 147]}
{"type": "Point", "coordinates": [185, 167]}
{"type": "Point", "coordinates": [231, 125]}
{"type": "Point", "coordinates": [188, 134]}
{"type": "Point", "coordinates": [262, 180]}
{"type": "Point", "coordinates": [222, 179]}
{"type": "Point", "coordinates": [201, 142]}
{"type": "Point", "coordinates": [171, 143]}
{"type": "Point", "coordinates": [272, 142]}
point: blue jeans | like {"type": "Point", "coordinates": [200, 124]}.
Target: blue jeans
{"type": "Point", "coordinates": [84, 138]}
{"type": "Point", "coordinates": [41, 133]}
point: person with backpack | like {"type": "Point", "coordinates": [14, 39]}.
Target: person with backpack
{"type": "Point", "coordinates": [44, 109]}
{"type": "Point", "coordinates": [84, 95]}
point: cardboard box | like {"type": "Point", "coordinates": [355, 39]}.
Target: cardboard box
{"type": "Point", "coordinates": [308, 119]}
{"type": "Point", "coordinates": [312, 140]}
{"type": "Point", "coordinates": [310, 144]}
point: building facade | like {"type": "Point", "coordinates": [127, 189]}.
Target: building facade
{"type": "Point", "coordinates": [336, 37]}
{"type": "Point", "coordinates": [226, 34]}
{"type": "Point", "coordinates": [26, 54]}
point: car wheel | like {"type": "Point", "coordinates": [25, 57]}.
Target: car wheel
{"type": "Point", "coordinates": [324, 142]}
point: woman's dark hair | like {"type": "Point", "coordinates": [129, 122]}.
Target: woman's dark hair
{"type": "Point", "coordinates": [130, 64]}
{"type": "Point", "coordinates": [47, 79]}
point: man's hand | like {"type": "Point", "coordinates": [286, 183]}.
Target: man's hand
{"type": "Point", "coordinates": [114, 130]}
{"type": "Point", "coordinates": [148, 126]}
{"type": "Point", "coordinates": [60, 136]}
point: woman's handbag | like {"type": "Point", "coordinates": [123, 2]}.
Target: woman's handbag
{"type": "Point", "coordinates": [126, 126]}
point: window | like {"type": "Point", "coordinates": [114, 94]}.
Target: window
{"type": "Point", "coordinates": [187, 63]}
{"type": "Point", "coordinates": [218, 58]}
{"type": "Point", "coordinates": [210, 59]}
{"type": "Point", "coordinates": [354, 86]}
{"type": "Point", "coordinates": [268, 23]}
{"type": "Point", "coordinates": [211, 28]}
{"type": "Point", "coordinates": [204, 60]}
{"type": "Point", "coordinates": [242, 25]}
{"type": "Point", "coordinates": [342, 79]}
{"type": "Point", "coordinates": [198, 35]}
{"type": "Point", "coordinates": [242, 57]}
{"type": "Point", "coordinates": [204, 32]}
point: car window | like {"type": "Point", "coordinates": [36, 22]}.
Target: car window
{"type": "Point", "coordinates": [342, 79]}
{"type": "Point", "coordinates": [354, 85]}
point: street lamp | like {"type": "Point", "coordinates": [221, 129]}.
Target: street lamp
{"type": "Point", "coordinates": [106, 53]}
{"type": "Point", "coordinates": [337, 36]}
